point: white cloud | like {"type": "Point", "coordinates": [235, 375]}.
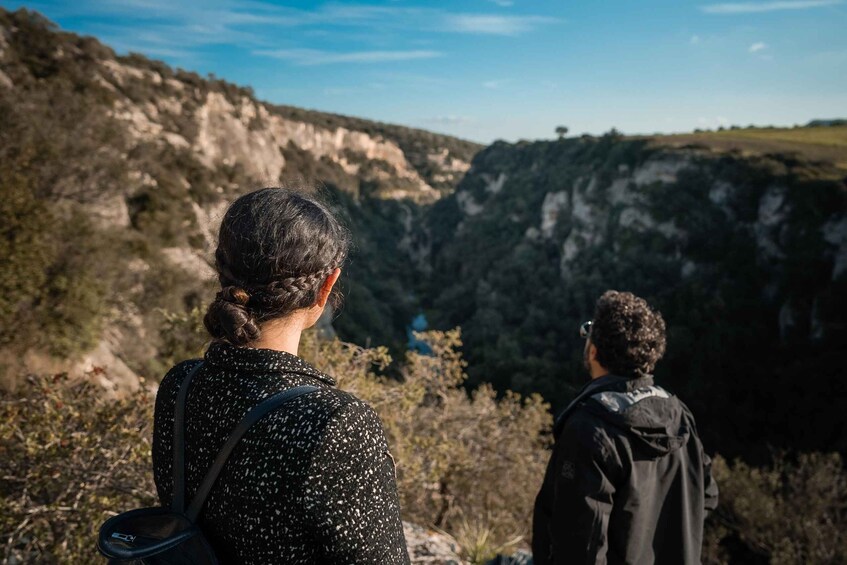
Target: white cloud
{"type": "Point", "coordinates": [695, 39]}
{"type": "Point", "coordinates": [758, 46]}
{"type": "Point", "coordinates": [318, 57]}
{"type": "Point", "coordinates": [488, 24]}
{"type": "Point", "coordinates": [757, 7]}
{"type": "Point", "coordinates": [503, 3]}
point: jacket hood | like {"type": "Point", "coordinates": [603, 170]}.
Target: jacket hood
{"type": "Point", "coordinates": [653, 417]}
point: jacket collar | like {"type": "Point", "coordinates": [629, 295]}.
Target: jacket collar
{"type": "Point", "coordinates": [613, 382]}
{"type": "Point", "coordinates": [594, 386]}
{"type": "Point", "coordinates": [227, 356]}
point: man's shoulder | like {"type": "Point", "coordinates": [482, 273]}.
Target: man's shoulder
{"type": "Point", "coordinates": [586, 426]}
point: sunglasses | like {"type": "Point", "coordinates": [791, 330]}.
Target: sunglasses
{"type": "Point", "coordinates": [585, 329]}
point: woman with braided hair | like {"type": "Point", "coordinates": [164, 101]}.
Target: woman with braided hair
{"type": "Point", "coordinates": [313, 481]}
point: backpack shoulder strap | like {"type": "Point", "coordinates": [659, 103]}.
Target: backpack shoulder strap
{"type": "Point", "coordinates": [178, 501]}
{"type": "Point", "coordinates": [253, 416]}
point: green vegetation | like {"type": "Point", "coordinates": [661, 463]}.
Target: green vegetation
{"type": "Point", "coordinates": [732, 252]}
{"type": "Point", "coordinates": [790, 511]}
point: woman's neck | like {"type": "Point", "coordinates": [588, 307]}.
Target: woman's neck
{"type": "Point", "coordinates": [281, 334]}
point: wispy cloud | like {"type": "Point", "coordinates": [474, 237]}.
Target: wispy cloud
{"type": "Point", "coordinates": [182, 29]}
{"type": "Point", "coordinates": [503, 3]}
{"type": "Point", "coordinates": [448, 120]}
{"type": "Point", "coordinates": [758, 46]}
{"type": "Point", "coordinates": [488, 24]}
{"type": "Point", "coordinates": [757, 7]}
{"type": "Point", "coordinates": [719, 121]}
{"type": "Point", "coordinates": [318, 57]}
{"type": "Point", "coordinates": [695, 39]}
{"type": "Point", "coordinates": [495, 84]}
{"type": "Point", "coordinates": [351, 90]}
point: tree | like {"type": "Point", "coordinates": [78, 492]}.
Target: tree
{"type": "Point", "coordinates": [561, 131]}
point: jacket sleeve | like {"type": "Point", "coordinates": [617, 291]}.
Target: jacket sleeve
{"type": "Point", "coordinates": [711, 486]}
{"type": "Point", "coordinates": [354, 503]}
{"type": "Point", "coordinates": [584, 489]}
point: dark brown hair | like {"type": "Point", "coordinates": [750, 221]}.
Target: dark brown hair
{"type": "Point", "coordinates": [628, 334]}
{"type": "Point", "coordinates": [276, 248]}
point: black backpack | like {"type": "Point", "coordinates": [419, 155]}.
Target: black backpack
{"type": "Point", "coordinates": [163, 535]}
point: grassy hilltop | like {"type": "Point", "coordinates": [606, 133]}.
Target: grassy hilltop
{"type": "Point", "coordinates": [812, 143]}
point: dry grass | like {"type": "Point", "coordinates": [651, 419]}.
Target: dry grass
{"type": "Point", "coordinates": [827, 144]}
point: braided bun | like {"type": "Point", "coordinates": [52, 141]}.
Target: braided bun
{"type": "Point", "coordinates": [229, 318]}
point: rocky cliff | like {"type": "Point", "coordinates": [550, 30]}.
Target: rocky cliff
{"type": "Point", "coordinates": [744, 255]}
{"type": "Point", "coordinates": [116, 169]}
{"type": "Point", "coordinates": [148, 157]}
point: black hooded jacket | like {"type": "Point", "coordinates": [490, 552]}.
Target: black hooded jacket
{"type": "Point", "coordinates": [628, 480]}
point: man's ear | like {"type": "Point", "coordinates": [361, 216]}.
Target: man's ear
{"type": "Point", "coordinates": [592, 352]}
{"type": "Point", "coordinates": [326, 288]}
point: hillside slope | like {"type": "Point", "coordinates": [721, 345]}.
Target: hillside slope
{"type": "Point", "coordinates": [118, 168]}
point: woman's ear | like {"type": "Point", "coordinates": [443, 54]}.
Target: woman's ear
{"type": "Point", "coordinates": [326, 288]}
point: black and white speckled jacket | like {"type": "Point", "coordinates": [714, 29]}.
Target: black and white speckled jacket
{"type": "Point", "coordinates": [312, 482]}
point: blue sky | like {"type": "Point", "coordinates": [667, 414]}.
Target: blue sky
{"type": "Point", "coordinates": [502, 69]}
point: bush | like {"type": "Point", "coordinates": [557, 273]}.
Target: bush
{"type": "Point", "coordinates": [25, 253]}
{"type": "Point", "coordinates": [68, 456]}
{"type": "Point", "coordinates": [471, 466]}
{"type": "Point", "coordinates": [794, 511]}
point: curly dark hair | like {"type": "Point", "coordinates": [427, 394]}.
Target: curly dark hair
{"type": "Point", "coordinates": [628, 334]}
{"type": "Point", "coordinates": [276, 247]}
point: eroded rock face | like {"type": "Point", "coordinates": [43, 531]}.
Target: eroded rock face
{"type": "Point", "coordinates": [247, 133]}
{"type": "Point", "coordinates": [835, 233]}
{"type": "Point", "coordinates": [224, 135]}
{"type": "Point", "coordinates": [672, 209]}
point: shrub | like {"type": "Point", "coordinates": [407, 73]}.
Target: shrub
{"type": "Point", "coordinates": [464, 464]}
{"type": "Point", "coordinates": [471, 466]}
{"type": "Point", "coordinates": [793, 511]}
{"type": "Point", "coordinates": [68, 456]}
{"type": "Point", "coordinates": [25, 254]}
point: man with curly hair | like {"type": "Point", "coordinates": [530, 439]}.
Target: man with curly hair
{"type": "Point", "coordinates": [628, 480]}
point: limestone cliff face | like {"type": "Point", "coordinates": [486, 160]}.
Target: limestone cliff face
{"type": "Point", "coordinates": [165, 151]}
{"type": "Point", "coordinates": [589, 208]}
{"type": "Point", "coordinates": [222, 129]}
{"type": "Point", "coordinates": [744, 256]}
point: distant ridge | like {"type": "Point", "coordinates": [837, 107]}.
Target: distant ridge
{"type": "Point", "coordinates": [827, 123]}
